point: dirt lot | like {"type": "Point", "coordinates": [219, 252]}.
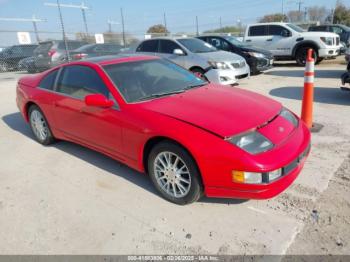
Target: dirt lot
{"type": "Point", "coordinates": [65, 199]}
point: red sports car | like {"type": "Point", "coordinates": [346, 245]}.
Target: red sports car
{"type": "Point", "coordinates": [190, 136]}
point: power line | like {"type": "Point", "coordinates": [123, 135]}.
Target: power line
{"type": "Point", "coordinates": [82, 7]}
{"type": "Point", "coordinates": [33, 20]}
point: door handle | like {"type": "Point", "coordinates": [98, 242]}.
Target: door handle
{"type": "Point", "coordinates": [269, 40]}
{"type": "Point", "coordinates": [248, 40]}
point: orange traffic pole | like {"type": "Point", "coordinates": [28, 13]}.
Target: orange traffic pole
{"type": "Point", "coordinates": [308, 95]}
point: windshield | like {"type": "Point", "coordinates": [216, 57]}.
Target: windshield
{"type": "Point", "coordinates": [196, 45]}
{"type": "Point", "coordinates": [147, 79]}
{"type": "Point", "coordinates": [233, 40]}
{"type": "Point", "coordinates": [296, 28]}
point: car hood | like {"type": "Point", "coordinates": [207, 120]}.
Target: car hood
{"type": "Point", "coordinates": [257, 50]}
{"type": "Point", "coordinates": [221, 110]}
{"type": "Point", "coordinates": [318, 34]}
{"type": "Point", "coordinates": [220, 56]}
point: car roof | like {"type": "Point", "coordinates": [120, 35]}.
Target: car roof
{"type": "Point", "coordinates": [120, 58]}
{"type": "Point", "coordinates": [269, 23]}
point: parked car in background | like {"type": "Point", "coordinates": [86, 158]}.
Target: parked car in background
{"type": "Point", "coordinates": [342, 30]}
{"type": "Point", "coordinates": [258, 59]}
{"type": "Point", "coordinates": [92, 50]}
{"type": "Point", "coordinates": [191, 137]}
{"type": "Point", "coordinates": [199, 57]}
{"type": "Point", "coordinates": [52, 53]}
{"type": "Point", "coordinates": [287, 41]}
{"type": "Point", "coordinates": [10, 56]}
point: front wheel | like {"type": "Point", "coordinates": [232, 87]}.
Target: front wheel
{"type": "Point", "coordinates": [40, 126]}
{"type": "Point", "coordinates": [174, 173]}
{"type": "Point", "coordinates": [301, 55]}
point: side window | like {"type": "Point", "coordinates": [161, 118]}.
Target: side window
{"type": "Point", "coordinates": [259, 30]}
{"type": "Point", "coordinates": [49, 81]}
{"type": "Point", "coordinates": [276, 30]}
{"type": "Point", "coordinates": [215, 42]}
{"type": "Point", "coordinates": [168, 47]}
{"type": "Point", "coordinates": [148, 46]}
{"type": "Point", "coordinates": [80, 81]}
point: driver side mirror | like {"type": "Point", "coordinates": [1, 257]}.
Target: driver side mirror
{"type": "Point", "coordinates": [98, 100]}
{"type": "Point", "coordinates": [285, 33]}
{"type": "Point", "coordinates": [178, 52]}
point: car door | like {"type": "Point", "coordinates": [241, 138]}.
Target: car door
{"type": "Point", "coordinates": [278, 41]}
{"type": "Point", "coordinates": [149, 47]}
{"type": "Point", "coordinates": [166, 50]}
{"type": "Point", "coordinates": [95, 126]}
{"type": "Point", "coordinates": [257, 36]}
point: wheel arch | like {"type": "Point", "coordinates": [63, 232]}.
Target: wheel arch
{"type": "Point", "coordinates": [26, 109]}
{"type": "Point", "coordinates": [306, 43]}
{"type": "Point", "coordinates": [153, 141]}
{"type": "Point", "coordinates": [196, 67]}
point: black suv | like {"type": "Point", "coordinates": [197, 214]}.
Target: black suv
{"type": "Point", "coordinates": [258, 59]}
{"type": "Point", "coordinates": [10, 56]}
{"type": "Point", "coordinates": [341, 30]}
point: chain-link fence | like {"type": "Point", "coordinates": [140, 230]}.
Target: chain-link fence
{"type": "Point", "coordinates": [35, 51]}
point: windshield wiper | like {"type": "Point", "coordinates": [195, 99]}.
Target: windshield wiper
{"type": "Point", "coordinates": [160, 95]}
{"type": "Point", "coordinates": [194, 86]}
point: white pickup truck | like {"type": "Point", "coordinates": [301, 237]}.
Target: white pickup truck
{"type": "Point", "coordinates": [288, 41]}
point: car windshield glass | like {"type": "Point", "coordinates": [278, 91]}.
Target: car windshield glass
{"type": "Point", "coordinates": [147, 79]}
{"type": "Point", "coordinates": [196, 45]}
{"type": "Point", "coordinates": [233, 40]}
{"type": "Point", "coordinates": [295, 28]}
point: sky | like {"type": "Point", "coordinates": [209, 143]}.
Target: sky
{"type": "Point", "coordinates": [141, 14]}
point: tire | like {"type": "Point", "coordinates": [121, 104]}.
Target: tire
{"type": "Point", "coordinates": [178, 187]}
{"type": "Point", "coordinates": [199, 73]}
{"type": "Point", "coordinates": [301, 54]}
{"type": "Point", "coordinates": [40, 126]}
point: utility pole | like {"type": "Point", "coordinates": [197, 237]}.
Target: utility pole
{"type": "Point", "coordinates": [33, 20]}
{"type": "Point", "coordinates": [63, 31]}
{"type": "Point", "coordinates": [165, 25]}
{"type": "Point", "coordinates": [197, 27]}
{"type": "Point", "coordinates": [110, 23]}
{"type": "Point", "coordinates": [123, 26]}
{"type": "Point", "coordinates": [282, 9]}
{"type": "Point", "coordinates": [220, 24]}
{"type": "Point", "coordinates": [82, 7]}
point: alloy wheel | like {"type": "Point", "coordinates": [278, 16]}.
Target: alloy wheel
{"type": "Point", "coordinates": [39, 125]}
{"type": "Point", "coordinates": [172, 174]}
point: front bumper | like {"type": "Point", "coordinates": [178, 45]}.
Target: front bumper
{"type": "Point", "coordinates": [290, 155]}
{"type": "Point", "coordinates": [265, 191]}
{"type": "Point", "coordinates": [227, 76]}
{"type": "Point", "coordinates": [329, 52]}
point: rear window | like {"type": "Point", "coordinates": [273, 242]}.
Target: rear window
{"type": "Point", "coordinates": [259, 30]}
{"type": "Point", "coordinates": [71, 45]}
{"type": "Point", "coordinates": [49, 81]}
{"type": "Point", "coordinates": [43, 47]}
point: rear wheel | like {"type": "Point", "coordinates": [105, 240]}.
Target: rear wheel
{"type": "Point", "coordinates": [301, 55]}
{"type": "Point", "coordinates": [174, 173]}
{"type": "Point", "coordinates": [40, 126]}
